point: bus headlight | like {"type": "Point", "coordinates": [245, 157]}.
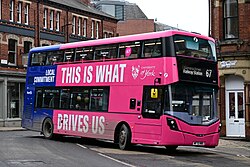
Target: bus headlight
{"type": "Point", "coordinates": [220, 127]}
{"type": "Point", "coordinates": [172, 124]}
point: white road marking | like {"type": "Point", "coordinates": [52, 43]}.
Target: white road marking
{"type": "Point", "coordinates": [81, 146]}
{"type": "Point", "coordinates": [116, 160]}
{"type": "Point", "coordinates": [113, 159]}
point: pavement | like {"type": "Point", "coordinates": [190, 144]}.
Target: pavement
{"type": "Point", "coordinates": [5, 129]}
{"type": "Point", "coordinates": [224, 141]}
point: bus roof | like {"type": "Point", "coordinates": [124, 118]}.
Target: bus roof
{"type": "Point", "coordinates": [119, 39]}
{"type": "Point", "coordinates": [46, 48]}
{"type": "Point", "coordinates": [128, 38]}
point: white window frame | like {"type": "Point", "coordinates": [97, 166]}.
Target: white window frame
{"type": "Point", "coordinates": [45, 15]}
{"type": "Point", "coordinates": [85, 27]}
{"type": "Point", "coordinates": [79, 26]}
{"type": "Point", "coordinates": [19, 12]}
{"type": "Point", "coordinates": [58, 21]}
{"type": "Point", "coordinates": [74, 25]}
{"type": "Point", "coordinates": [26, 15]}
{"type": "Point", "coordinates": [11, 10]}
{"type": "Point", "coordinates": [51, 20]}
{"type": "Point", "coordinates": [92, 28]}
{"type": "Point", "coordinates": [97, 30]}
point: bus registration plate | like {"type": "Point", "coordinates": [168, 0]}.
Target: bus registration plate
{"type": "Point", "coordinates": [198, 143]}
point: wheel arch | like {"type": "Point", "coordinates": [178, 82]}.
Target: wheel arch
{"type": "Point", "coordinates": [117, 130]}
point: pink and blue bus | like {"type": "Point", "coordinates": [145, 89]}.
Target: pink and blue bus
{"type": "Point", "coordinates": [155, 88]}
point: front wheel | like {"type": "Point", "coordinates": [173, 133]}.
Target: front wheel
{"type": "Point", "coordinates": [124, 137]}
{"type": "Point", "coordinates": [47, 128]}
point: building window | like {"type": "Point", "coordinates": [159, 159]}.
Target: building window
{"type": "Point", "coordinates": [74, 25]}
{"type": "Point", "coordinates": [97, 30]}
{"type": "Point", "coordinates": [27, 46]}
{"type": "Point", "coordinates": [26, 14]}
{"type": "Point", "coordinates": [85, 27]}
{"type": "Point", "coordinates": [58, 21]}
{"type": "Point", "coordinates": [105, 35]}
{"type": "Point", "coordinates": [231, 27]}
{"type": "Point", "coordinates": [92, 29]}
{"type": "Point", "coordinates": [11, 10]}
{"type": "Point", "coordinates": [45, 14]}
{"type": "Point", "coordinates": [14, 99]}
{"type": "Point", "coordinates": [12, 51]}
{"type": "Point", "coordinates": [51, 20]}
{"type": "Point", "coordinates": [19, 12]}
{"type": "Point", "coordinates": [79, 26]}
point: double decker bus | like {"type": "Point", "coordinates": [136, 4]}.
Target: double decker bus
{"type": "Point", "coordinates": [155, 88]}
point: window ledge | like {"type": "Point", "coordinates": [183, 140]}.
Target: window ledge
{"type": "Point", "coordinates": [232, 42]}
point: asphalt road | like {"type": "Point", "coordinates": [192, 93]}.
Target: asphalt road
{"type": "Point", "coordinates": [25, 148]}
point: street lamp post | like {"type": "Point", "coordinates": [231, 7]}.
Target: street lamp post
{"type": "Point", "coordinates": [65, 29]}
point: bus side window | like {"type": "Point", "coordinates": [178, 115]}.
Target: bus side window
{"type": "Point", "coordinates": [64, 98]}
{"type": "Point", "coordinates": [51, 98]}
{"type": "Point", "coordinates": [69, 55]}
{"type": "Point", "coordinates": [39, 98]}
{"type": "Point", "coordinates": [38, 59]}
{"type": "Point", "coordinates": [58, 56]}
{"type": "Point", "coordinates": [99, 99]}
{"type": "Point", "coordinates": [54, 57]}
{"type": "Point", "coordinates": [152, 48]}
{"type": "Point", "coordinates": [106, 52]}
{"type": "Point", "coordinates": [130, 50]}
{"type": "Point", "coordinates": [84, 54]}
{"type": "Point", "coordinates": [50, 59]}
{"type": "Point", "coordinates": [79, 99]}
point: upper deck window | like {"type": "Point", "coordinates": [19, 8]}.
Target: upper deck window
{"type": "Point", "coordinates": [54, 57]}
{"type": "Point", "coordinates": [84, 53]}
{"type": "Point", "coordinates": [46, 58]}
{"type": "Point", "coordinates": [130, 49]}
{"type": "Point", "coordinates": [152, 48]}
{"type": "Point", "coordinates": [194, 47]}
{"type": "Point", "coordinates": [105, 52]}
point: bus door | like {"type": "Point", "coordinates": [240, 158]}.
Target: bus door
{"type": "Point", "coordinates": [27, 120]}
{"type": "Point", "coordinates": [148, 125]}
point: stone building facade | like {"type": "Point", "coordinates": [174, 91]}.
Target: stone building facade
{"type": "Point", "coordinates": [25, 24]}
{"type": "Point", "coordinates": [230, 20]}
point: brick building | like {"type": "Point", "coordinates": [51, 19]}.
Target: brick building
{"type": "Point", "coordinates": [230, 20]}
{"type": "Point", "coordinates": [28, 23]}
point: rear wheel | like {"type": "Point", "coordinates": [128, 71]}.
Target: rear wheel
{"type": "Point", "coordinates": [47, 128]}
{"type": "Point", "coordinates": [124, 137]}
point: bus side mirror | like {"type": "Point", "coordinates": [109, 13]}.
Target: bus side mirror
{"type": "Point", "coordinates": [154, 93]}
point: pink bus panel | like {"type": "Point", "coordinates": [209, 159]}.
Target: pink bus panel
{"type": "Point", "coordinates": [127, 72]}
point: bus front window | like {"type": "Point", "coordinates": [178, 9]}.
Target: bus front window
{"type": "Point", "coordinates": [192, 103]}
{"type": "Point", "coordinates": [194, 47]}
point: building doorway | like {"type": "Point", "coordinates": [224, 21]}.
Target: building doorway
{"type": "Point", "coordinates": [235, 106]}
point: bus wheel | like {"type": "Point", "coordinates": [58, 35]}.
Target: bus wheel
{"type": "Point", "coordinates": [124, 137]}
{"type": "Point", "coordinates": [47, 128]}
{"type": "Point", "coordinates": [171, 148]}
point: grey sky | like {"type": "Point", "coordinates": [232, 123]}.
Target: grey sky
{"type": "Point", "coordinates": [190, 15]}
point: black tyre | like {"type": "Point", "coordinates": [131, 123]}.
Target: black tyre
{"type": "Point", "coordinates": [124, 137]}
{"type": "Point", "coordinates": [47, 128]}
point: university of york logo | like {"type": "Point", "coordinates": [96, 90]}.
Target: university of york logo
{"type": "Point", "coordinates": [135, 71]}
